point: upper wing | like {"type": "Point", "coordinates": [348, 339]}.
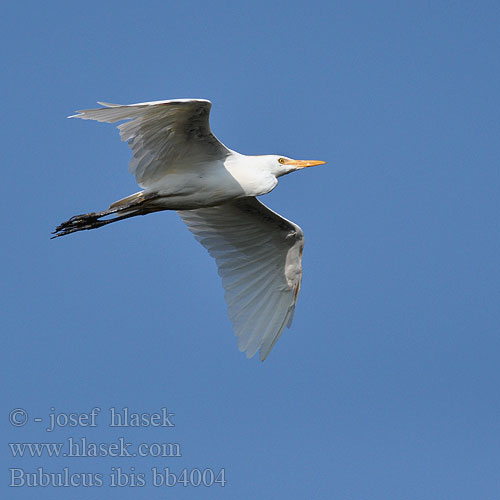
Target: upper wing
{"type": "Point", "coordinates": [259, 258]}
{"type": "Point", "coordinates": [162, 134]}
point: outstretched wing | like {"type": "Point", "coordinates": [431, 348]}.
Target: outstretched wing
{"type": "Point", "coordinates": [163, 135]}
{"type": "Point", "coordinates": [259, 258]}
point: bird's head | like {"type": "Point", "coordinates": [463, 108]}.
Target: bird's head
{"type": "Point", "coordinates": [282, 165]}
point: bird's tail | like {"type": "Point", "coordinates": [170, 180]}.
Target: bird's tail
{"type": "Point", "coordinates": [135, 204]}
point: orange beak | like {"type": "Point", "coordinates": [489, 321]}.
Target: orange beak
{"type": "Point", "coordinates": [304, 163]}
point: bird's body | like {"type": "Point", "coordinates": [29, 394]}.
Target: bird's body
{"type": "Point", "coordinates": [213, 183]}
{"type": "Point", "coordinates": [181, 166]}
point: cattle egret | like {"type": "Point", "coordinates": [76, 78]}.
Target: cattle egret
{"type": "Point", "coordinates": [182, 166]}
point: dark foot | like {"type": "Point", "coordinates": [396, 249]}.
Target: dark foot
{"type": "Point", "coordinates": [81, 222]}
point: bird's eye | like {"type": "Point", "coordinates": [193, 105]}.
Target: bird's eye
{"type": "Point", "coordinates": [281, 160]}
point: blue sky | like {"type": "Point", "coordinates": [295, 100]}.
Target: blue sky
{"type": "Point", "coordinates": [386, 387]}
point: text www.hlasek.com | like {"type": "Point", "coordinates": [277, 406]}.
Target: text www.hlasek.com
{"type": "Point", "coordinates": [83, 448]}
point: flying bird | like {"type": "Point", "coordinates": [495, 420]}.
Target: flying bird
{"type": "Point", "coordinates": [180, 165]}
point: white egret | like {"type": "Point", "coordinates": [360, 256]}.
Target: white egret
{"type": "Point", "coordinates": [182, 166]}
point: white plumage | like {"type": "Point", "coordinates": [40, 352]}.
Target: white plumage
{"type": "Point", "coordinates": [258, 254]}
{"type": "Point", "coordinates": [182, 166]}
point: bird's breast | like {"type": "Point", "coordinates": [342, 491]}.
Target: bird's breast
{"type": "Point", "coordinates": [253, 182]}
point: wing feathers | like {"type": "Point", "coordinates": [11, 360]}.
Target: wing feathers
{"type": "Point", "coordinates": [161, 133]}
{"type": "Point", "coordinates": [259, 258]}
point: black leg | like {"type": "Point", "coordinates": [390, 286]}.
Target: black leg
{"type": "Point", "coordinates": [94, 220]}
